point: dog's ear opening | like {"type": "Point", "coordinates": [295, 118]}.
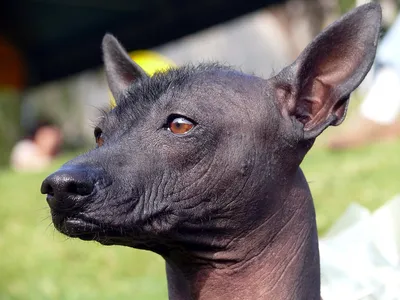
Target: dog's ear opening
{"type": "Point", "coordinates": [316, 88]}
{"type": "Point", "coordinates": [121, 70]}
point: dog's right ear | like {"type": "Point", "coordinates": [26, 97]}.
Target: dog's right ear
{"type": "Point", "coordinates": [313, 93]}
{"type": "Point", "coordinates": [121, 70]}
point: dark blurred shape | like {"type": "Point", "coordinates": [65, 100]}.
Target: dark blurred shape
{"type": "Point", "coordinates": [58, 38]}
{"type": "Point", "coordinates": [12, 67]}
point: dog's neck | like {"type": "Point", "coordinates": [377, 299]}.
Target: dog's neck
{"type": "Point", "coordinates": [283, 261]}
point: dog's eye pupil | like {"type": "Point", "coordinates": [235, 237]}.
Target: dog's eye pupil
{"type": "Point", "coordinates": [180, 125]}
{"type": "Point", "coordinates": [98, 136]}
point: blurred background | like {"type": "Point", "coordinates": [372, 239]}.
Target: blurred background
{"type": "Point", "coordinates": [52, 90]}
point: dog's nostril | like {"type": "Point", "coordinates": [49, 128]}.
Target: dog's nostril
{"type": "Point", "coordinates": [67, 188]}
{"type": "Point", "coordinates": [79, 188]}
{"type": "Point", "coordinates": [46, 188]}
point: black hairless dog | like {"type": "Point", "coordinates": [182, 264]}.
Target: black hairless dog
{"type": "Point", "coordinates": [201, 165]}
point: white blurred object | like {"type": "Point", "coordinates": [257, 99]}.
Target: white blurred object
{"type": "Point", "coordinates": [382, 102]}
{"type": "Point", "coordinates": [360, 256]}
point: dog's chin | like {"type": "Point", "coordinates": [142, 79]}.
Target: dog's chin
{"type": "Point", "coordinates": [88, 230]}
{"type": "Point", "coordinates": [77, 227]}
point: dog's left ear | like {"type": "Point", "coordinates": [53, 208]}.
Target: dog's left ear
{"type": "Point", "coordinates": [315, 89]}
{"type": "Point", "coordinates": [121, 70]}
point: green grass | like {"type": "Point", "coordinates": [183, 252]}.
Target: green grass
{"type": "Point", "coordinates": [38, 263]}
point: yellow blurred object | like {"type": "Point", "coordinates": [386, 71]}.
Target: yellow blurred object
{"type": "Point", "coordinates": [150, 62]}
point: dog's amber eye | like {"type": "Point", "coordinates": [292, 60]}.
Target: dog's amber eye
{"type": "Point", "coordinates": [98, 136]}
{"type": "Point", "coordinates": [180, 125]}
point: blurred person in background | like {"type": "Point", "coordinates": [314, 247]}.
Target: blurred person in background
{"type": "Point", "coordinates": [377, 118]}
{"type": "Point", "coordinates": [37, 151]}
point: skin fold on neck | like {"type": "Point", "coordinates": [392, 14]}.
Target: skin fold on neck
{"type": "Point", "coordinates": [283, 262]}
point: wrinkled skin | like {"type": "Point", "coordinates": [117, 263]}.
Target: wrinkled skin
{"type": "Point", "coordinates": [166, 187]}
{"type": "Point", "coordinates": [226, 199]}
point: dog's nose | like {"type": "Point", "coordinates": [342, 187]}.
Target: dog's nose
{"type": "Point", "coordinates": [67, 188]}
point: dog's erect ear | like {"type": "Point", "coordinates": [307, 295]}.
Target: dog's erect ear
{"type": "Point", "coordinates": [121, 70]}
{"type": "Point", "coordinates": [315, 89]}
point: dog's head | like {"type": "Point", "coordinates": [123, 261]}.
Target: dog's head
{"type": "Point", "coordinates": [194, 156]}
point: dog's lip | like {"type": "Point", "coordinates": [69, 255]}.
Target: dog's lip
{"type": "Point", "coordinates": [85, 229]}
{"type": "Point", "coordinates": [79, 227]}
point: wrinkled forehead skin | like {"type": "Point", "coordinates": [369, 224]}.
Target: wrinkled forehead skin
{"type": "Point", "coordinates": [231, 111]}
{"type": "Point", "coordinates": [159, 186]}
{"type": "Point", "coordinates": [202, 92]}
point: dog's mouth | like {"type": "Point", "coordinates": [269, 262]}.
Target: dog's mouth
{"type": "Point", "coordinates": [76, 224]}
{"type": "Point", "coordinates": [79, 228]}
{"type": "Point", "coordinates": [86, 229]}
